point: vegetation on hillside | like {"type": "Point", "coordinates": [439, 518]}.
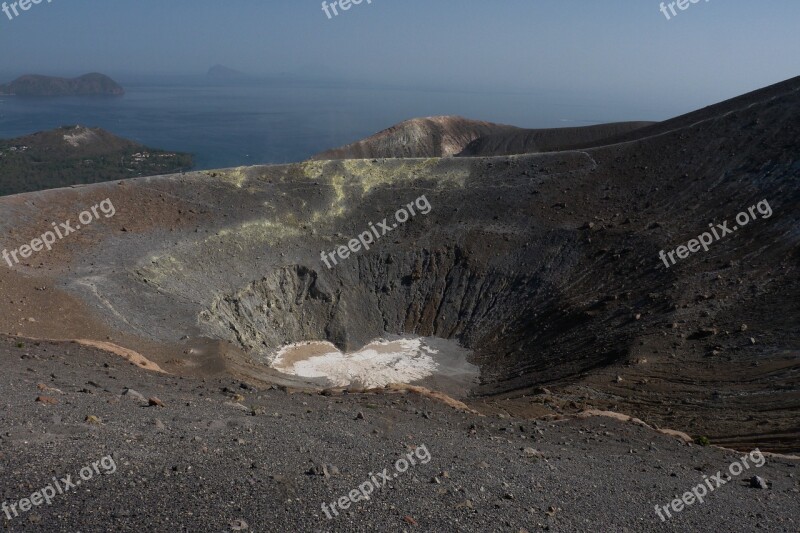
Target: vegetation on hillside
{"type": "Point", "coordinates": [77, 155]}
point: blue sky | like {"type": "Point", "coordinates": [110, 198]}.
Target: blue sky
{"type": "Point", "coordinates": [622, 49]}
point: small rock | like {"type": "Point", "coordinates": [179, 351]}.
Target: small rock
{"type": "Point", "coordinates": [705, 332]}
{"type": "Point", "coordinates": [133, 395]}
{"type": "Point", "coordinates": [239, 407]}
{"type": "Point", "coordinates": [532, 452]}
{"type": "Point", "coordinates": [743, 327]}
{"type": "Point", "coordinates": [360, 416]}
{"type": "Point", "coordinates": [409, 520]}
{"type": "Point", "coordinates": [325, 469]}
{"type": "Point", "coordinates": [757, 482]}
{"type": "Point", "coordinates": [47, 400]}
{"type": "Point", "coordinates": [155, 402]}
{"type": "Point", "coordinates": [239, 525]}
{"type": "Point", "coordinates": [94, 420]}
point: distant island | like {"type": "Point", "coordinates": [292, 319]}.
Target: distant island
{"type": "Point", "coordinates": [93, 84]}
{"type": "Point", "coordinates": [76, 155]}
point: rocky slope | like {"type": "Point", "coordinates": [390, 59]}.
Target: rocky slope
{"type": "Point", "coordinates": [529, 141]}
{"type": "Point", "coordinates": [217, 454]}
{"type": "Point", "coordinates": [447, 136]}
{"type": "Point", "coordinates": [420, 137]}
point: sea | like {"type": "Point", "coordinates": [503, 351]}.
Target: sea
{"type": "Point", "coordinates": [249, 122]}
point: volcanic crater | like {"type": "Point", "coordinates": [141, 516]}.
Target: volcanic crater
{"type": "Point", "coordinates": [536, 276]}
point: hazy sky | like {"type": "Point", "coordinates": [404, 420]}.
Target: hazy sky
{"type": "Point", "coordinates": [622, 49]}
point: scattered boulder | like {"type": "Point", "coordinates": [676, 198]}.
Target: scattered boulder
{"type": "Point", "coordinates": [239, 525]}
{"type": "Point", "coordinates": [47, 400]}
{"type": "Point", "coordinates": [323, 469]}
{"type": "Point", "coordinates": [532, 452]}
{"type": "Point", "coordinates": [44, 388]}
{"type": "Point", "coordinates": [239, 407]}
{"type": "Point", "coordinates": [133, 395]}
{"type": "Point", "coordinates": [155, 402]}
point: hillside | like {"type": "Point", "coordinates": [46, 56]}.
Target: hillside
{"type": "Point", "coordinates": [446, 136]}
{"type": "Point", "coordinates": [528, 141]}
{"type": "Point", "coordinates": [420, 137]}
{"type": "Point", "coordinates": [77, 155]}
{"type": "Point", "coordinates": [93, 84]}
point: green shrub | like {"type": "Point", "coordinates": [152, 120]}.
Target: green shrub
{"type": "Point", "coordinates": [702, 441]}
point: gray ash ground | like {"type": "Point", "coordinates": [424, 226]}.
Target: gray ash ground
{"type": "Point", "coordinates": [220, 454]}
